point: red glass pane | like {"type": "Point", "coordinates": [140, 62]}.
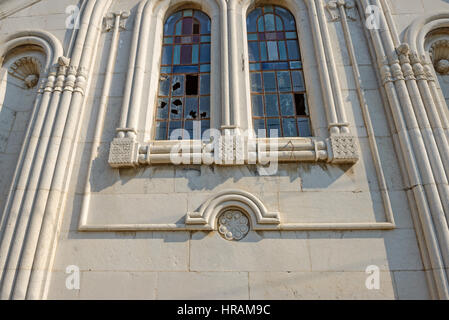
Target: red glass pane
{"type": "Point", "coordinates": [270, 36]}
{"type": "Point", "coordinates": [187, 24]}
{"type": "Point", "coordinates": [186, 54]}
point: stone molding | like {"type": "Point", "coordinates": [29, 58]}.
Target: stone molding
{"type": "Point", "coordinates": [229, 150]}
{"type": "Point", "coordinates": [260, 217]}
{"type": "Point", "coordinates": [416, 106]}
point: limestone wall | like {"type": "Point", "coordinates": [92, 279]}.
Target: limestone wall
{"type": "Point", "coordinates": [320, 263]}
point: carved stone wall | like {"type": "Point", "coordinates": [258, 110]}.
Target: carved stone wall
{"type": "Point", "coordinates": [90, 188]}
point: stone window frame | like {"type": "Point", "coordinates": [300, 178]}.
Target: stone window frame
{"type": "Point", "coordinates": [230, 95]}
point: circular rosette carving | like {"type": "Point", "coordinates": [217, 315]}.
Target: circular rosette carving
{"type": "Point", "coordinates": [233, 225]}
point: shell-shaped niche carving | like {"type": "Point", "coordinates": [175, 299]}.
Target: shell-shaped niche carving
{"type": "Point", "coordinates": [439, 52]}
{"type": "Point", "coordinates": [26, 69]}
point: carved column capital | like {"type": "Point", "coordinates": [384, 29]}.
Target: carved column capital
{"type": "Point", "coordinates": [334, 7]}
{"type": "Point", "coordinates": [343, 149]}
{"type": "Point", "coordinates": [110, 18]}
{"type": "Point", "coordinates": [123, 153]}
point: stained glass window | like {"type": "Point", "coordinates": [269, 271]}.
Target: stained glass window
{"type": "Point", "coordinates": [184, 86]}
{"type": "Point", "coordinates": [278, 91]}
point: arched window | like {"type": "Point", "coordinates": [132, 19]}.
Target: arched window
{"type": "Point", "coordinates": [184, 87]}
{"type": "Point", "coordinates": [278, 91]}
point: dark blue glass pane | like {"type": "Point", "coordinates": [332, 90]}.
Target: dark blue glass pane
{"type": "Point", "coordinates": [204, 107]}
{"type": "Point", "coordinates": [205, 84]}
{"type": "Point", "coordinates": [254, 66]}
{"type": "Point", "coordinates": [185, 69]}
{"type": "Point", "coordinates": [284, 83]}
{"type": "Point", "coordinates": [205, 125]}
{"type": "Point", "coordinates": [195, 54]}
{"type": "Point", "coordinates": [191, 110]}
{"type": "Point", "coordinates": [174, 125]}
{"type": "Point", "coordinates": [274, 65]}
{"type": "Point", "coordinates": [263, 51]}
{"type": "Point", "coordinates": [253, 51]}
{"type": "Point", "coordinates": [271, 105]}
{"type": "Point", "coordinates": [162, 109]}
{"type": "Point", "coordinates": [205, 53]}
{"type": "Point", "coordinates": [161, 130]}
{"type": "Point", "coordinates": [252, 36]}
{"type": "Point", "coordinates": [287, 106]}
{"type": "Point", "coordinates": [205, 68]}
{"type": "Point", "coordinates": [289, 127]}
{"type": "Point", "coordinates": [257, 102]}
{"type": "Point", "coordinates": [259, 128]}
{"type": "Point", "coordinates": [295, 64]}
{"type": "Point", "coordinates": [170, 23]}
{"type": "Point", "coordinates": [251, 20]}
{"type": "Point", "coordinates": [279, 24]}
{"type": "Point", "coordinates": [188, 127]}
{"type": "Point", "coordinates": [164, 85]}
{"type": "Point", "coordinates": [269, 81]}
{"type": "Point", "coordinates": [298, 81]}
{"type": "Point", "coordinates": [293, 50]}
{"type": "Point", "coordinates": [289, 21]}
{"type": "Point", "coordinates": [167, 52]}
{"type": "Point", "coordinates": [205, 38]}
{"type": "Point", "coordinates": [273, 128]}
{"type": "Point", "coordinates": [304, 127]}
{"type": "Point", "coordinates": [290, 35]}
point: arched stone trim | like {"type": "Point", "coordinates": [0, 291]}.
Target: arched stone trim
{"type": "Point", "coordinates": [145, 56]}
{"type": "Point", "coordinates": [426, 63]}
{"type": "Point", "coordinates": [258, 214]}
{"type": "Point", "coordinates": [48, 42]}
{"type": "Point", "coordinates": [419, 29]}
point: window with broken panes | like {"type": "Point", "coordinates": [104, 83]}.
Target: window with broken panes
{"type": "Point", "coordinates": [278, 93]}
{"type": "Point", "coordinates": [184, 86]}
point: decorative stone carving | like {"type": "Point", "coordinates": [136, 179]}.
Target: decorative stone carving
{"type": "Point", "coordinates": [26, 69]}
{"type": "Point", "coordinates": [333, 7]}
{"type": "Point", "coordinates": [239, 199]}
{"type": "Point", "coordinates": [109, 20]}
{"type": "Point", "coordinates": [439, 52]}
{"type": "Point", "coordinates": [344, 149]}
{"type": "Point", "coordinates": [123, 153]}
{"type": "Point", "coordinates": [233, 225]}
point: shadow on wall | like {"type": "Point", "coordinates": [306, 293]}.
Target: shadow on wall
{"type": "Point", "coordinates": [16, 103]}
